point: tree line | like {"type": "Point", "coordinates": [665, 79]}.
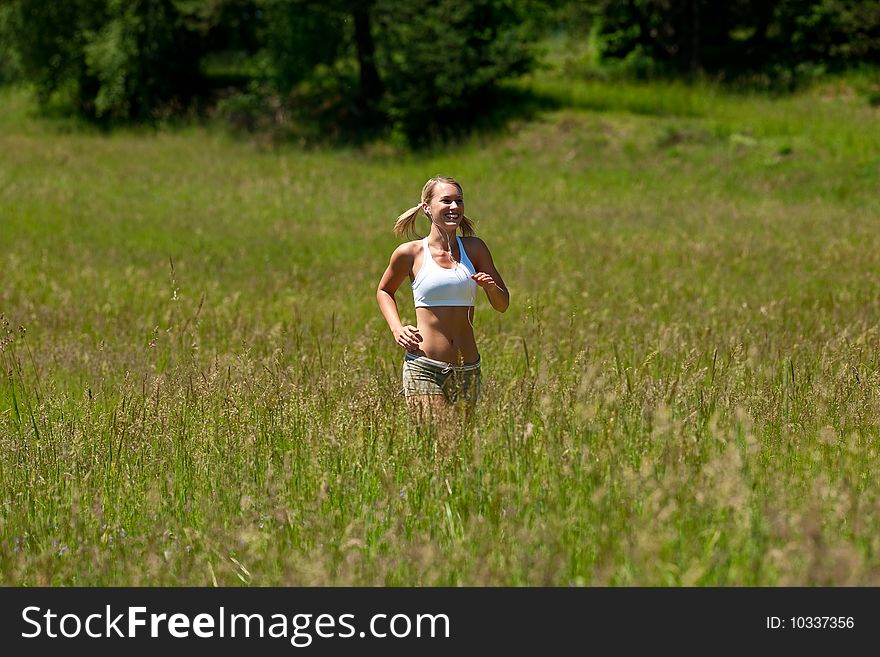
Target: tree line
{"type": "Point", "coordinates": [735, 37]}
{"type": "Point", "coordinates": [420, 66]}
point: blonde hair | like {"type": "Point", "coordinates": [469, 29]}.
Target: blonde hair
{"type": "Point", "coordinates": [405, 224]}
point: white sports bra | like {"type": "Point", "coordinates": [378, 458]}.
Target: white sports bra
{"type": "Point", "coordinates": [437, 286]}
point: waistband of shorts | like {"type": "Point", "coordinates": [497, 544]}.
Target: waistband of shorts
{"type": "Point", "coordinates": [440, 365]}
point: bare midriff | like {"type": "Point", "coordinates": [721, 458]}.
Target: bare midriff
{"type": "Point", "coordinates": [447, 334]}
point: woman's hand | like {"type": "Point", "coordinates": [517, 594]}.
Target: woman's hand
{"type": "Point", "coordinates": [498, 296]}
{"type": "Point", "coordinates": [408, 337]}
{"type": "Point", "coordinates": [484, 280]}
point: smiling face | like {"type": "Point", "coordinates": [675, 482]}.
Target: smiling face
{"type": "Point", "coordinates": [446, 206]}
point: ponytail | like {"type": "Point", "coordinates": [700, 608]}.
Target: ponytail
{"type": "Point", "coordinates": [467, 227]}
{"type": "Point", "coordinates": [406, 223]}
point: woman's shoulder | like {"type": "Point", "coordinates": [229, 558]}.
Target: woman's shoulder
{"type": "Point", "coordinates": [407, 249]}
{"type": "Point", "coordinates": [473, 242]}
{"type": "Point", "coordinates": [411, 246]}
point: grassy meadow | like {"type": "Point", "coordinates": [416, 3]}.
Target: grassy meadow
{"type": "Point", "coordinates": [198, 388]}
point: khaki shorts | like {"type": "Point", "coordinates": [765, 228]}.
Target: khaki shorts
{"type": "Point", "coordinates": [425, 376]}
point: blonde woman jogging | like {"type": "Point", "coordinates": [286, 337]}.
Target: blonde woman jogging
{"type": "Point", "coordinates": [441, 368]}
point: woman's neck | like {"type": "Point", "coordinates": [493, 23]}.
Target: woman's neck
{"type": "Point", "coordinates": [442, 238]}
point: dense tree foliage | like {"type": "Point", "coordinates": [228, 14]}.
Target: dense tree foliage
{"type": "Point", "coordinates": [421, 65]}
{"type": "Point", "coordinates": [418, 67]}
{"type": "Point", "coordinates": [320, 56]}
{"type": "Point", "coordinates": [108, 58]}
{"type": "Point", "coordinates": [740, 35]}
{"type": "Point", "coordinates": [441, 61]}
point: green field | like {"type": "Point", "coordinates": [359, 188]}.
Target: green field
{"type": "Point", "coordinates": [198, 387]}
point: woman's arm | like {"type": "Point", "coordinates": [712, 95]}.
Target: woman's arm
{"type": "Point", "coordinates": [398, 269]}
{"type": "Point", "coordinates": [487, 276]}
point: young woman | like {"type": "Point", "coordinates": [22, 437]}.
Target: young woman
{"type": "Point", "coordinates": [442, 364]}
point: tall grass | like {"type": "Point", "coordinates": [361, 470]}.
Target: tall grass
{"type": "Point", "coordinates": [198, 388]}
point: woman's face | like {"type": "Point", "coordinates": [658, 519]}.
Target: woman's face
{"type": "Point", "coordinates": [446, 207]}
